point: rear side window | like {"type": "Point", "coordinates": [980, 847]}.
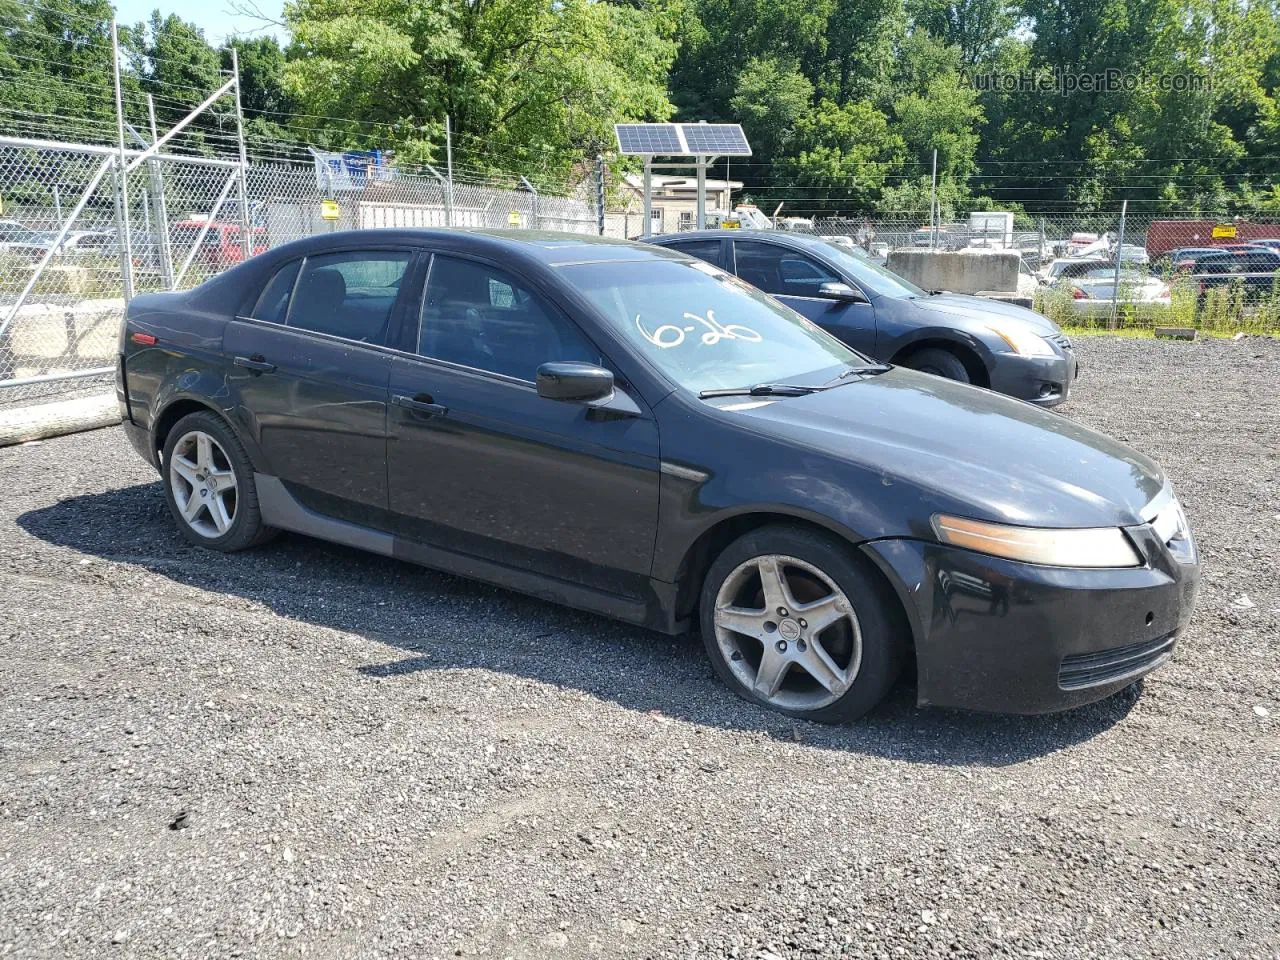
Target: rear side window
{"type": "Point", "coordinates": [349, 295]}
{"type": "Point", "coordinates": [708, 250]}
{"type": "Point", "coordinates": [273, 302]}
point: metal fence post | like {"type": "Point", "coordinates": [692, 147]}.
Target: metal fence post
{"type": "Point", "coordinates": [600, 194]}
{"type": "Point", "coordinates": [533, 218]}
{"type": "Point", "coordinates": [122, 175]}
{"type": "Point", "coordinates": [933, 205]}
{"type": "Point", "coordinates": [448, 166]}
{"type": "Point", "coordinates": [246, 236]}
{"type": "Point", "coordinates": [1115, 289]}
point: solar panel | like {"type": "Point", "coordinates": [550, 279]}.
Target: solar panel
{"type": "Point", "coordinates": [648, 138]}
{"type": "Point", "coordinates": [682, 139]}
{"type": "Point", "coordinates": [725, 139]}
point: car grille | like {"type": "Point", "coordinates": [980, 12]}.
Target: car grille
{"type": "Point", "coordinates": [1103, 666]}
{"type": "Point", "coordinates": [1060, 339]}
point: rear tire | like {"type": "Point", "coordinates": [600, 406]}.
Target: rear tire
{"type": "Point", "coordinates": [208, 484]}
{"type": "Point", "coordinates": [939, 362]}
{"type": "Point", "coordinates": [793, 620]}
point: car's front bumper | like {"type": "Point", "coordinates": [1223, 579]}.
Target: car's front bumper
{"type": "Point", "coordinates": [1009, 637]}
{"type": "Point", "coordinates": [1044, 381]}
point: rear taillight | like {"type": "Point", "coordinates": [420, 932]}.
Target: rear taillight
{"type": "Point", "coordinates": [1078, 294]}
{"type": "Point", "coordinates": [1164, 294]}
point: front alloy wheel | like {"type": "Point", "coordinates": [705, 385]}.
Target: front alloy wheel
{"type": "Point", "coordinates": [788, 633]}
{"type": "Point", "coordinates": [795, 619]}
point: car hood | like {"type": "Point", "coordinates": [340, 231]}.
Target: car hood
{"type": "Point", "coordinates": [964, 449]}
{"type": "Point", "coordinates": [981, 309]}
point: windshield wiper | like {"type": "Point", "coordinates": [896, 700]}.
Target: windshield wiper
{"type": "Point", "coordinates": [762, 390]}
{"type": "Point", "coordinates": [853, 371]}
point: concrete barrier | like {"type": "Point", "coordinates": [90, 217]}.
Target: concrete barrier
{"type": "Point", "coordinates": [960, 271]}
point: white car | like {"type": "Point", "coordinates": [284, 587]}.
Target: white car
{"type": "Point", "coordinates": [1095, 292]}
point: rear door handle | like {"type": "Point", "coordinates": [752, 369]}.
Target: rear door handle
{"type": "Point", "coordinates": [255, 363]}
{"type": "Point", "coordinates": [422, 403]}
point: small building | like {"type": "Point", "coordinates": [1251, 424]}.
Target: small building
{"type": "Point", "coordinates": [675, 199]}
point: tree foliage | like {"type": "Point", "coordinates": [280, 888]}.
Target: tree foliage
{"type": "Point", "coordinates": [1172, 103]}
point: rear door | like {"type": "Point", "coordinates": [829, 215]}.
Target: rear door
{"type": "Point", "coordinates": [794, 278]}
{"type": "Point", "coordinates": [311, 371]}
{"type": "Point", "coordinates": [480, 465]}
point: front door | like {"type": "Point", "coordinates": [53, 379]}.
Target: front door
{"type": "Point", "coordinates": [794, 278]}
{"type": "Point", "coordinates": [479, 464]}
{"type": "Point", "coordinates": [312, 378]}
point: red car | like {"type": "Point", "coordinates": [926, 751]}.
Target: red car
{"type": "Point", "coordinates": [221, 245]}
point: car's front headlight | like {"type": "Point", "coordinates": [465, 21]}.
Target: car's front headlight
{"type": "Point", "coordinates": [1021, 340]}
{"type": "Point", "coordinates": [1072, 547]}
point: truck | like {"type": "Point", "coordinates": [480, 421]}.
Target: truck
{"type": "Point", "coordinates": [991, 229]}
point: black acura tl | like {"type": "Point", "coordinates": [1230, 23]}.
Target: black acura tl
{"type": "Point", "coordinates": [632, 431]}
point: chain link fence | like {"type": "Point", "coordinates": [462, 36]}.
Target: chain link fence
{"type": "Point", "coordinates": [66, 258]}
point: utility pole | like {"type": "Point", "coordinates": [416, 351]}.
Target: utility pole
{"type": "Point", "coordinates": [122, 175]}
{"type": "Point", "coordinates": [162, 213]}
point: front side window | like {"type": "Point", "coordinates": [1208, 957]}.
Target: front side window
{"type": "Point", "coordinates": [704, 328]}
{"type": "Point", "coordinates": [349, 295]}
{"type": "Point", "coordinates": [481, 317]}
{"type": "Point", "coordinates": [779, 270]}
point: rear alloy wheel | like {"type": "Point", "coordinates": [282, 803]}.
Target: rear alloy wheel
{"type": "Point", "coordinates": [792, 621]}
{"type": "Point", "coordinates": [208, 481]}
{"type": "Point", "coordinates": [939, 362]}
{"type": "Point", "coordinates": [204, 484]}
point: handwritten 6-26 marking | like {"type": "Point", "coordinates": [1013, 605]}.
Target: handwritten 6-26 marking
{"type": "Point", "coordinates": [670, 335]}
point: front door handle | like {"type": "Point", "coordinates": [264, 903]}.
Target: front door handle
{"type": "Point", "coordinates": [422, 403]}
{"type": "Point", "coordinates": [257, 363]}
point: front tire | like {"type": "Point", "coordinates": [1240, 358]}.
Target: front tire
{"type": "Point", "coordinates": [940, 363]}
{"type": "Point", "coordinates": [208, 484]}
{"type": "Point", "coordinates": [793, 620]}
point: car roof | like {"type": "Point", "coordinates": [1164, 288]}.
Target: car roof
{"type": "Point", "coordinates": [543, 246]}
{"type": "Point", "coordinates": [786, 236]}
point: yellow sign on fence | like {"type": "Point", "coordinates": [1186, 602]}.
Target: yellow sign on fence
{"type": "Point", "coordinates": [513, 218]}
{"type": "Point", "coordinates": [329, 210]}
{"type": "Point", "coordinates": [1224, 231]}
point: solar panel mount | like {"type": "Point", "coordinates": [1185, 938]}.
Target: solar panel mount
{"type": "Point", "coordinates": [682, 139]}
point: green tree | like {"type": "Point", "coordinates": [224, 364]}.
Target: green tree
{"type": "Point", "coordinates": [529, 84]}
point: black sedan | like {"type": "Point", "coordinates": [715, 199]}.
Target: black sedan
{"type": "Point", "coordinates": [975, 340]}
{"type": "Point", "coordinates": [629, 430]}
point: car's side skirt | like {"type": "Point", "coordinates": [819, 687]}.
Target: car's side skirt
{"type": "Point", "coordinates": [281, 509]}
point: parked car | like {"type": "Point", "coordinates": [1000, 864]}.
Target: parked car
{"type": "Point", "coordinates": [1257, 269]}
{"type": "Point", "coordinates": [221, 246]}
{"type": "Point", "coordinates": [1094, 292]}
{"type": "Point", "coordinates": [1065, 268]}
{"type": "Point", "coordinates": [1079, 242]}
{"type": "Point", "coordinates": [631, 431]}
{"type": "Point", "coordinates": [19, 240]}
{"type": "Point", "coordinates": [974, 340]}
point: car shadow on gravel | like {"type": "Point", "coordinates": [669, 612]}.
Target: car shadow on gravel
{"type": "Point", "coordinates": [442, 622]}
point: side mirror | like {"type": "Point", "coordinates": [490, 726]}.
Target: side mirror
{"type": "Point", "coordinates": [574, 382]}
{"type": "Point", "coordinates": [840, 291]}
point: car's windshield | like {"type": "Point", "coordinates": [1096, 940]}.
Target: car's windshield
{"type": "Point", "coordinates": [706, 329]}
{"type": "Point", "coordinates": [870, 275]}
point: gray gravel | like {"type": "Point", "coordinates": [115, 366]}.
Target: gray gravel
{"type": "Point", "coordinates": [304, 750]}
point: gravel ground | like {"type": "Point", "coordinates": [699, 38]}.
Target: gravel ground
{"type": "Point", "coordinates": [305, 750]}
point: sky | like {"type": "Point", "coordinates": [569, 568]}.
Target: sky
{"type": "Point", "coordinates": [215, 17]}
